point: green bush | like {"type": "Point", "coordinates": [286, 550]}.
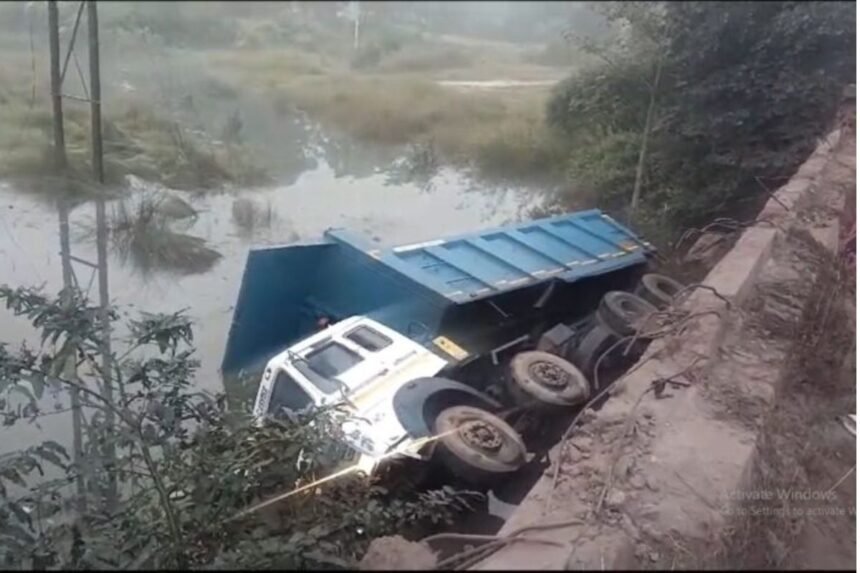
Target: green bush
{"type": "Point", "coordinates": [166, 475]}
{"type": "Point", "coordinates": [746, 88]}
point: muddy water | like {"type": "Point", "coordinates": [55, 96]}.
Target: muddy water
{"type": "Point", "coordinates": [325, 195]}
{"type": "Point", "coordinates": [301, 211]}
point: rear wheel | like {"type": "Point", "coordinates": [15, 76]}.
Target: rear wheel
{"type": "Point", "coordinates": [659, 290]}
{"type": "Point", "coordinates": [623, 312]}
{"type": "Point", "coordinates": [476, 445]}
{"type": "Point", "coordinates": [546, 380]}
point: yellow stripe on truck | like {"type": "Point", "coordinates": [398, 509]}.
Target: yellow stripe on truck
{"type": "Point", "coordinates": [450, 347]}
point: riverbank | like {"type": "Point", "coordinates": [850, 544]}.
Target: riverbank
{"type": "Point", "coordinates": [139, 138]}
{"type": "Point", "coordinates": [499, 132]}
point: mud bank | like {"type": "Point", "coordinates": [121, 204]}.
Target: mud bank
{"type": "Point", "coordinates": [683, 466]}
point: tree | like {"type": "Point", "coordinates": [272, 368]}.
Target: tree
{"type": "Point", "coordinates": [744, 90]}
{"type": "Point", "coordinates": [640, 42]}
{"type": "Point", "coordinates": [187, 468]}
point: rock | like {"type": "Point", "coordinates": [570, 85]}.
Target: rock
{"type": "Point", "coordinates": [705, 250]}
{"type": "Point", "coordinates": [654, 556]}
{"type": "Point", "coordinates": [628, 527]}
{"type": "Point", "coordinates": [650, 531]}
{"type": "Point", "coordinates": [581, 443]}
{"type": "Point", "coordinates": [651, 482]}
{"type": "Point", "coordinates": [637, 481]}
{"type": "Point", "coordinates": [395, 552]}
{"type": "Point", "coordinates": [588, 416]}
{"type": "Point", "coordinates": [611, 418]}
{"type": "Point", "coordinates": [641, 551]}
{"type": "Point", "coordinates": [624, 466]}
{"type": "Point", "coordinates": [615, 498]}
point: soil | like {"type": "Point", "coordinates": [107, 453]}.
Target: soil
{"type": "Point", "coordinates": [396, 553]}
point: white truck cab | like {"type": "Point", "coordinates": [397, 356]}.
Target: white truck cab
{"type": "Point", "coordinates": [360, 364]}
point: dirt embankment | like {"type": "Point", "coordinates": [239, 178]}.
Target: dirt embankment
{"type": "Point", "coordinates": [723, 447]}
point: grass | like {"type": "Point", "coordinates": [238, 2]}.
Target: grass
{"type": "Point", "coordinates": [501, 132]}
{"type": "Point", "coordinates": [141, 234]}
{"type": "Point", "coordinates": [137, 140]}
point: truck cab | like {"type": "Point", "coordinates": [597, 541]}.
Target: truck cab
{"type": "Point", "coordinates": [357, 364]}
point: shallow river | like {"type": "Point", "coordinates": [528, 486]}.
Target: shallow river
{"type": "Point", "coordinates": [323, 195]}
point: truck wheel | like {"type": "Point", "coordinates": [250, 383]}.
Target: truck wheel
{"type": "Point", "coordinates": [622, 311]}
{"type": "Point", "coordinates": [476, 445]}
{"type": "Point", "coordinates": [547, 379]}
{"type": "Point", "coordinates": [659, 290]}
{"type": "Point", "coordinates": [592, 346]}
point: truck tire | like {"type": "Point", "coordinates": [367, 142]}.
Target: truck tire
{"type": "Point", "coordinates": [596, 341]}
{"type": "Point", "coordinates": [545, 379]}
{"type": "Point", "coordinates": [621, 311]}
{"type": "Point", "coordinates": [659, 290]}
{"type": "Point", "coordinates": [476, 445]}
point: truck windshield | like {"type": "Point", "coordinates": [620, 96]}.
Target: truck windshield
{"type": "Point", "coordinates": [328, 361]}
{"type": "Point", "coordinates": [287, 395]}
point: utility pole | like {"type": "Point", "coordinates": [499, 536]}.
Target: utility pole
{"type": "Point", "coordinates": [56, 91]}
{"type": "Point", "coordinates": [354, 9]}
{"type": "Point", "coordinates": [69, 282]}
{"type": "Point", "coordinates": [65, 246]}
{"type": "Point", "coordinates": [101, 241]}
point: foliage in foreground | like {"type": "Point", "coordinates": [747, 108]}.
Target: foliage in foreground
{"type": "Point", "coordinates": [741, 90]}
{"type": "Point", "coordinates": [165, 471]}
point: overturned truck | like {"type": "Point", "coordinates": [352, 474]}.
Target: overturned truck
{"type": "Point", "coordinates": [431, 348]}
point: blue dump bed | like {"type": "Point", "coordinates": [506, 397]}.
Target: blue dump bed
{"type": "Point", "coordinates": [285, 290]}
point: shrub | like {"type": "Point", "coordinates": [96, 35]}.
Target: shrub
{"type": "Point", "coordinates": [745, 89]}
{"type": "Point", "coordinates": [166, 473]}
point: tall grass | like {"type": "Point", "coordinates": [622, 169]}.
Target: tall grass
{"type": "Point", "coordinates": [500, 132]}
{"type": "Point", "coordinates": [137, 140]}
{"type": "Point", "coordinates": [141, 234]}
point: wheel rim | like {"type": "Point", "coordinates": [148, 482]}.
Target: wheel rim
{"type": "Point", "coordinates": [539, 378]}
{"type": "Point", "coordinates": [549, 375]}
{"type": "Point", "coordinates": [481, 435]}
{"type": "Point", "coordinates": [471, 435]}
